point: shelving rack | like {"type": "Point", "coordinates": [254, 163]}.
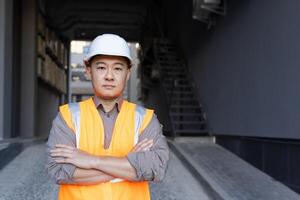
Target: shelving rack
{"type": "Point", "coordinates": [52, 57]}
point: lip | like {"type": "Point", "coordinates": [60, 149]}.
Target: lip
{"type": "Point", "coordinates": [108, 86]}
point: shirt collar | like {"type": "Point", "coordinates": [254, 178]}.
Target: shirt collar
{"type": "Point", "coordinates": [98, 103]}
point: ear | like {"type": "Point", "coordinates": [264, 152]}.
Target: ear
{"type": "Point", "coordinates": [88, 72]}
{"type": "Point", "coordinates": [128, 74]}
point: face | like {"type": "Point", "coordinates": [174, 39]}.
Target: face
{"type": "Point", "coordinates": [109, 75]}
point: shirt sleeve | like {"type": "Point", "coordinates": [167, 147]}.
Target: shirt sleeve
{"type": "Point", "coordinates": [60, 133]}
{"type": "Point", "coordinates": [151, 165]}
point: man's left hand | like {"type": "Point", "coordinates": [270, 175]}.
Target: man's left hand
{"type": "Point", "coordinates": [67, 154]}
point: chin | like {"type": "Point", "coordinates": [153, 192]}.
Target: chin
{"type": "Point", "coordinates": [108, 96]}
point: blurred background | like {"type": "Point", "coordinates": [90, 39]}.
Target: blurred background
{"type": "Point", "coordinates": [222, 76]}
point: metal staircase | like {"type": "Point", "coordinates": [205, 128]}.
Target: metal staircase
{"type": "Point", "coordinates": [185, 112]}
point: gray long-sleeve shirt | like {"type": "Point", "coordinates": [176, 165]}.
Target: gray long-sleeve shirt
{"type": "Point", "coordinates": [149, 165]}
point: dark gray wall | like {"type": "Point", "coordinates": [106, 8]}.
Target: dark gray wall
{"type": "Point", "coordinates": [2, 64]}
{"type": "Point", "coordinates": [247, 67]}
{"type": "Point", "coordinates": [47, 109]}
{"type": "Point", "coordinates": [28, 69]}
{"type": "Point", "coordinates": [154, 101]}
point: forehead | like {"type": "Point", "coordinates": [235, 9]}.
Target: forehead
{"type": "Point", "coordinates": [108, 59]}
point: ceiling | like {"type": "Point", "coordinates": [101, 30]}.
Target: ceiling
{"type": "Point", "coordinates": [85, 19]}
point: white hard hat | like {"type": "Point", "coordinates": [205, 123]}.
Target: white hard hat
{"type": "Point", "coordinates": [108, 44]}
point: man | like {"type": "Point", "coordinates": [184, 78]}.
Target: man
{"type": "Point", "coordinates": [106, 147]}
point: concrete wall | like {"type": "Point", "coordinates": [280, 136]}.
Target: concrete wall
{"type": "Point", "coordinates": [2, 64]}
{"type": "Point", "coordinates": [155, 100]}
{"type": "Point", "coordinates": [8, 79]}
{"type": "Point", "coordinates": [246, 67]}
{"type": "Point", "coordinates": [6, 67]}
{"type": "Point", "coordinates": [47, 108]}
{"type": "Point", "coordinates": [28, 69]}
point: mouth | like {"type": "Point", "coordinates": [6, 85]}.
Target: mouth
{"type": "Point", "coordinates": [109, 87]}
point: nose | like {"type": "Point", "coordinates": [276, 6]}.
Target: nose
{"type": "Point", "coordinates": [109, 76]}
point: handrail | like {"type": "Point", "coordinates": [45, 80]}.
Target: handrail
{"type": "Point", "coordinates": [167, 97]}
{"type": "Point", "coordinates": [194, 87]}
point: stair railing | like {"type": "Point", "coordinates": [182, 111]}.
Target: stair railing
{"type": "Point", "coordinates": [166, 96]}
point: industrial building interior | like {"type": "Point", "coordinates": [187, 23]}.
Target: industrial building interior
{"type": "Point", "coordinates": [223, 71]}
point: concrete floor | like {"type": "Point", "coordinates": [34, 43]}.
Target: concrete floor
{"type": "Point", "coordinates": [25, 178]}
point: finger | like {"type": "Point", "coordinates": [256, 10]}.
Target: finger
{"type": "Point", "coordinates": [61, 160]}
{"type": "Point", "coordinates": [137, 146]}
{"type": "Point", "coordinates": [64, 146]}
{"type": "Point", "coordinates": [146, 144]}
{"type": "Point", "coordinates": [61, 154]}
{"type": "Point", "coordinates": [61, 150]}
{"type": "Point", "coordinates": [146, 147]}
{"type": "Point", "coordinates": [141, 142]}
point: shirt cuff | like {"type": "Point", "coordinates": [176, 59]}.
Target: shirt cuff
{"type": "Point", "coordinates": [133, 160]}
{"type": "Point", "coordinates": [65, 174]}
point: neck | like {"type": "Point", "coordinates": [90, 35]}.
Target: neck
{"type": "Point", "coordinates": [108, 104]}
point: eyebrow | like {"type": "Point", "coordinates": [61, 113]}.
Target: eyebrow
{"type": "Point", "coordinates": [116, 63]}
{"type": "Point", "coordinates": [100, 62]}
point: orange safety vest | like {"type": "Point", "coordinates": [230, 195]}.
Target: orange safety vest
{"type": "Point", "coordinates": [83, 118]}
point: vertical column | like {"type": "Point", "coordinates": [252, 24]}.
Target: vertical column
{"type": "Point", "coordinates": [28, 69]}
{"type": "Point", "coordinates": [8, 69]}
{"type": "Point", "coordinates": [2, 64]}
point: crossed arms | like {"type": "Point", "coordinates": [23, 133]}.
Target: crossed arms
{"type": "Point", "coordinates": [92, 169]}
{"type": "Point", "coordinates": [147, 161]}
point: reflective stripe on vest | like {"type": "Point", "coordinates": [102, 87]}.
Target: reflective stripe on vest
{"type": "Point", "coordinates": [139, 116]}
{"type": "Point", "coordinates": [75, 111]}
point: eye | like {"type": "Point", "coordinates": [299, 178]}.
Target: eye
{"type": "Point", "coordinates": [100, 68]}
{"type": "Point", "coordinates": [118, 68]}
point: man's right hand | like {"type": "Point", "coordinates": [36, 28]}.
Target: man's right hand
{"type": "Point", "coordinates": [144, 145]}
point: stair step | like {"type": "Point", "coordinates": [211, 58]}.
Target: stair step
{"type": "Point", "coordinates": [165, 48]}
{"type": "Point", "coordinates": [182, 103]}
{"type": "Point", "coordinates": [180, 92]}
{"type": "Point", "coordinates": [162, 41]}
{"type": "Point", "coordinates": [170, 46]}
{"type": "Point", "coordinates": [199, 117]}
{"type": "Point", "coordinates": [161, 59]}
{"type": "Point", "coordinates": [184, 98]}
{"type": "Point", "coordinates": [168, 59]}
{"type": "Point", "coordinates": [173, 69]}
{"type": "Point", "coordinates": [185, 106]}
{"type": "Point", "coordinates": [185, 102]}
{"type": "Point", "coordinates": [178, 86]}
{"type": "Point", "coordinates": [188, 122]}
{"type": "Point", "coordinates": [168, 56]}
{"type": "Point", "coordinates": [169, 85]}
{"type": "Point", "coordinates": [191, 132]}
{"type": "Point", "coordinates": [179, 89]}
{"type": "Point", "coordinates": [177, 76]}
{"type": "Point", "coordinates": [185, 109]}
{"type": "Point", "coordinates": [175, 95]}
{"type": "Point", "coordinates": [187, 115]}
{"type": "Point", "coordinates": [173, 72]}
{"type": "Point", "coordinates": [179, 81]}
{"type": "Point", "coordinates": [168, 63]}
